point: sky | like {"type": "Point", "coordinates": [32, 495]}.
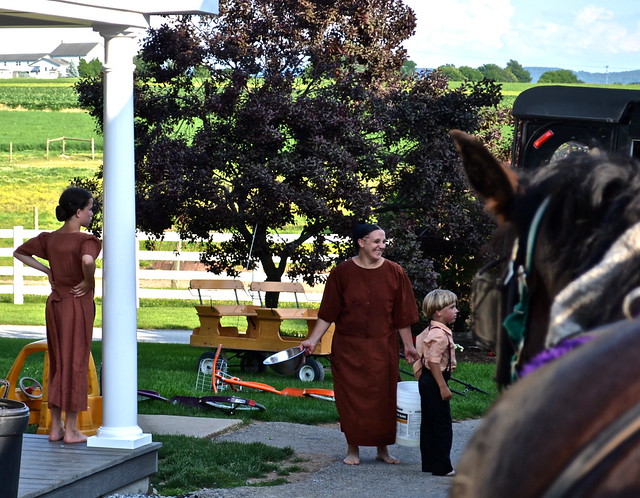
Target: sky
{"type": "Point", "coordinates": [581, 35]}
{"type": "Point", "coordinates": [597, 36]}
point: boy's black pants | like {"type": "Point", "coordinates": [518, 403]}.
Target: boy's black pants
{"type": "Point", "coordinates": [436, 431]}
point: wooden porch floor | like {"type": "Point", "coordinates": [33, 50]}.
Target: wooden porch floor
{"type": "Point", "coordinates": [70, 470]}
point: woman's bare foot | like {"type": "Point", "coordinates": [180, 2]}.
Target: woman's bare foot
{"type": "Point", "coordinates": [353, 456]}
{"type": "Point", "coordinates": [72, 437]}
{"type": "Point", "coordinates": [383, 456]}
{"type": "Point", "coordinates": [388, 459]}
{"type": "Point", "coordinates": [56, 435]}
{"type": "Point", "coordinates": [56, 431]}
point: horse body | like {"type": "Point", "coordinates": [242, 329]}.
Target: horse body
{"type": "Point", "coordinates": [536, 440]}
{"type": "Point", "coordinates": [540, 425]}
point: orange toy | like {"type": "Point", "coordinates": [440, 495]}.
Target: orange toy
{"type": "Point", "coordinates": [219, 377]}
{"type": "Point", "coordinates": [34, 393]}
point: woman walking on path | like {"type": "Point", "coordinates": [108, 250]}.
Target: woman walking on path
{"type": "Point", "coordinates": [70, 309]}
{"type": "Point", "coordinates": [371, 302]}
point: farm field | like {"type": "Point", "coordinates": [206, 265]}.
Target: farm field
{"type": "Point", "coordinates": [32, 94]}
{"type": "Point", "coordinates": [34, 185]}
{"type": "Point", "coordinates": [33, 111]}
{"type": "Point", "coordinates": [28, 132]}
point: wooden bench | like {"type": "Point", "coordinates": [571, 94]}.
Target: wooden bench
{"type": "Point", "coordinates": [210, 284]}
{"type": "Point", "coordinates": [210, 316]}
{"type": "Point", "coordinates": [269, 320]}
{"type": "Point", "coordinates": [263, 324]}
{"type": "Point", "coordinates": [294, 288]}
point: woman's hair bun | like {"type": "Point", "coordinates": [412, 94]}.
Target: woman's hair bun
{"type": "Point", "coordinates": [71, 200]}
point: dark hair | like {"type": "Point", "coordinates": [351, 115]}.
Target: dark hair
{"type": "Point", "coordinates": [361, 230]}
{"type": "Point", "coordinates": [71, 200]}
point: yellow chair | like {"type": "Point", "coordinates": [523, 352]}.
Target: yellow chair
{"type": "Point", "coordinates": [34, 393]}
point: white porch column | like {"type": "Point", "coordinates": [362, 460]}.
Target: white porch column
{"type": "Point", "coordinates": [119, 315]}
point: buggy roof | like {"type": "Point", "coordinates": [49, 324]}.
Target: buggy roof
{"type": "Point", "coordinates": [575, 102]}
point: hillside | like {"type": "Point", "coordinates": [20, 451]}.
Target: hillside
{"type": "Point", "coordinates": [622, 78]}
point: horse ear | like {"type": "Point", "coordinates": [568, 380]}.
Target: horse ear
{"type": "Point", "coordinates": [494, 182]}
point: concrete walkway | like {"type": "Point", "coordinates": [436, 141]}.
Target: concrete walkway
{"type": "Point", "coordinates": [144, 335]}
{"type": "Point", "coordinates": [322, 448]}
{"type": "Point", "coordinates": [335, 479]}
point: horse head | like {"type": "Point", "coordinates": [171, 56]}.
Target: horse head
{"type": "Point", "coordinates": [572, 428]}
{"type": "Point", "coordinates": [570, 219]}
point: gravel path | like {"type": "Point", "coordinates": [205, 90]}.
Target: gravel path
{"type": "Point", "coordinates": [326, 446]}
{"type": "Point", "coordinates": [323, 448]}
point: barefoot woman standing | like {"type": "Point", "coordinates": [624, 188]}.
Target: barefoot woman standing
{"type": "Point", "coordinates": [70, 309]}
{"type": "Point", "coordinates": [371, 302]}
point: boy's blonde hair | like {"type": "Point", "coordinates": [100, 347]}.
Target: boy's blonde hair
{"type": "Point", "coordinates": [436, 300]}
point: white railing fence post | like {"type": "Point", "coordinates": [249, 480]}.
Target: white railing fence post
{"type": "Point", "coordinates": [183, 268]}
{"type": "Point", "coordinates": [18, 268]}
{"type": "Point", "coordinates": [137, 259]}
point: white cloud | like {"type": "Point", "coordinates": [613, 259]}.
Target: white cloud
{"type": "Point", "coordinates": [592, 14]}
{"type": "Point", "coordinates": [460, 32]}
{"type": "Point", "coordinates": [598, 30]}
{"type": "Point", "coordinates": [570, 33]}
{"type": "Point", "coordinates": [461, 23]}
{"type": "Point", "coordinates": [587, 37]}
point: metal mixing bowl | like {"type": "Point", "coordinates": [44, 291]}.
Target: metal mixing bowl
{"type": "Point", "coordinates": [286, 362]}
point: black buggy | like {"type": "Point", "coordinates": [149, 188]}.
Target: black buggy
{"type": "Point", "coordinates": [553, 121]}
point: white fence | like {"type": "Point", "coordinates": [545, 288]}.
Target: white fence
{"type": "Point", "coordinates": [151, 283]}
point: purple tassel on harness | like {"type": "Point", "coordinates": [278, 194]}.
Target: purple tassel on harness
{"type": "Point", "coordinates": [548, 355]}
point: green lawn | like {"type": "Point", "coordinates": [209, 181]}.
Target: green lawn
{"type": "Point", "coordinates": [35, 94]}
{"type": "Point", "coordinates": [28, 131]}
{"type": "Point", "coordinates": [34, 186]}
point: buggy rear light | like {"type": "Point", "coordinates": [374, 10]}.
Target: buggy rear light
{"type": "Point", "coordinates": [545, 136]}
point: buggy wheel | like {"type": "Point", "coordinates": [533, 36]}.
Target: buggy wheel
{"type": "Point", "coordinates": [251, 362]}
{"type": "Point", "coordinates": [311, 370]}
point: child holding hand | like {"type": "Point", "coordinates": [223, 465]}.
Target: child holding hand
{"type": "Point", "coordinates": [437, 360]}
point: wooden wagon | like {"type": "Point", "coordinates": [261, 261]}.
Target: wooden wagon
{"type": "Point", "coordinates": [258, 332]}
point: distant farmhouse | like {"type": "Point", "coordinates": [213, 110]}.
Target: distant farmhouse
{"type": "Point", "coordinates": [51, 65]}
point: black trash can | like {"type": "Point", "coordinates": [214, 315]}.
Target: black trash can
{"type": "Point", "coordinates": [14, 420]}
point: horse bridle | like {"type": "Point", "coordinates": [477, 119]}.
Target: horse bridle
{"type": "Point", "coordinates": [515, 323]}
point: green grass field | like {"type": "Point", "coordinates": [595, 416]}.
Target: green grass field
{"type": "Point", "coordinates": [27, 185]}
{"type": "Point", "coordinates": [28, 131]}
{"type": "Point", "coordinates": [34, 94]}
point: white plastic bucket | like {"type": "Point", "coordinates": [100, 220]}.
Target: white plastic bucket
{"type": "Point", "coordinates": [408, 414]}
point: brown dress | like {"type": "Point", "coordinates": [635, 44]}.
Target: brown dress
{"type": "Point", "coordinates": [69, 319]}
{"type": "Point", "coordinates": [368, 306]}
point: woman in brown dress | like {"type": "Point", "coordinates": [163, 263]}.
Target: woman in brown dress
{"type": "Point", "coordinates": [371, 301]}
{"type": "Point", "coordinates": [70, 309]}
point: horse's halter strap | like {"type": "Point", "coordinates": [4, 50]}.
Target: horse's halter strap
{"type": "Point", "coordinates": [516, 322]}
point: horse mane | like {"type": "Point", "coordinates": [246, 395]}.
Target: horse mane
{"type": "Point", "coordinates": [592, 201]}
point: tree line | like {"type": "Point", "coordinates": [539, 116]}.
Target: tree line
{"type": "Point", "coordinates": [279, 113]}
{"type": "Point", "coordinates": [513, 72]}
